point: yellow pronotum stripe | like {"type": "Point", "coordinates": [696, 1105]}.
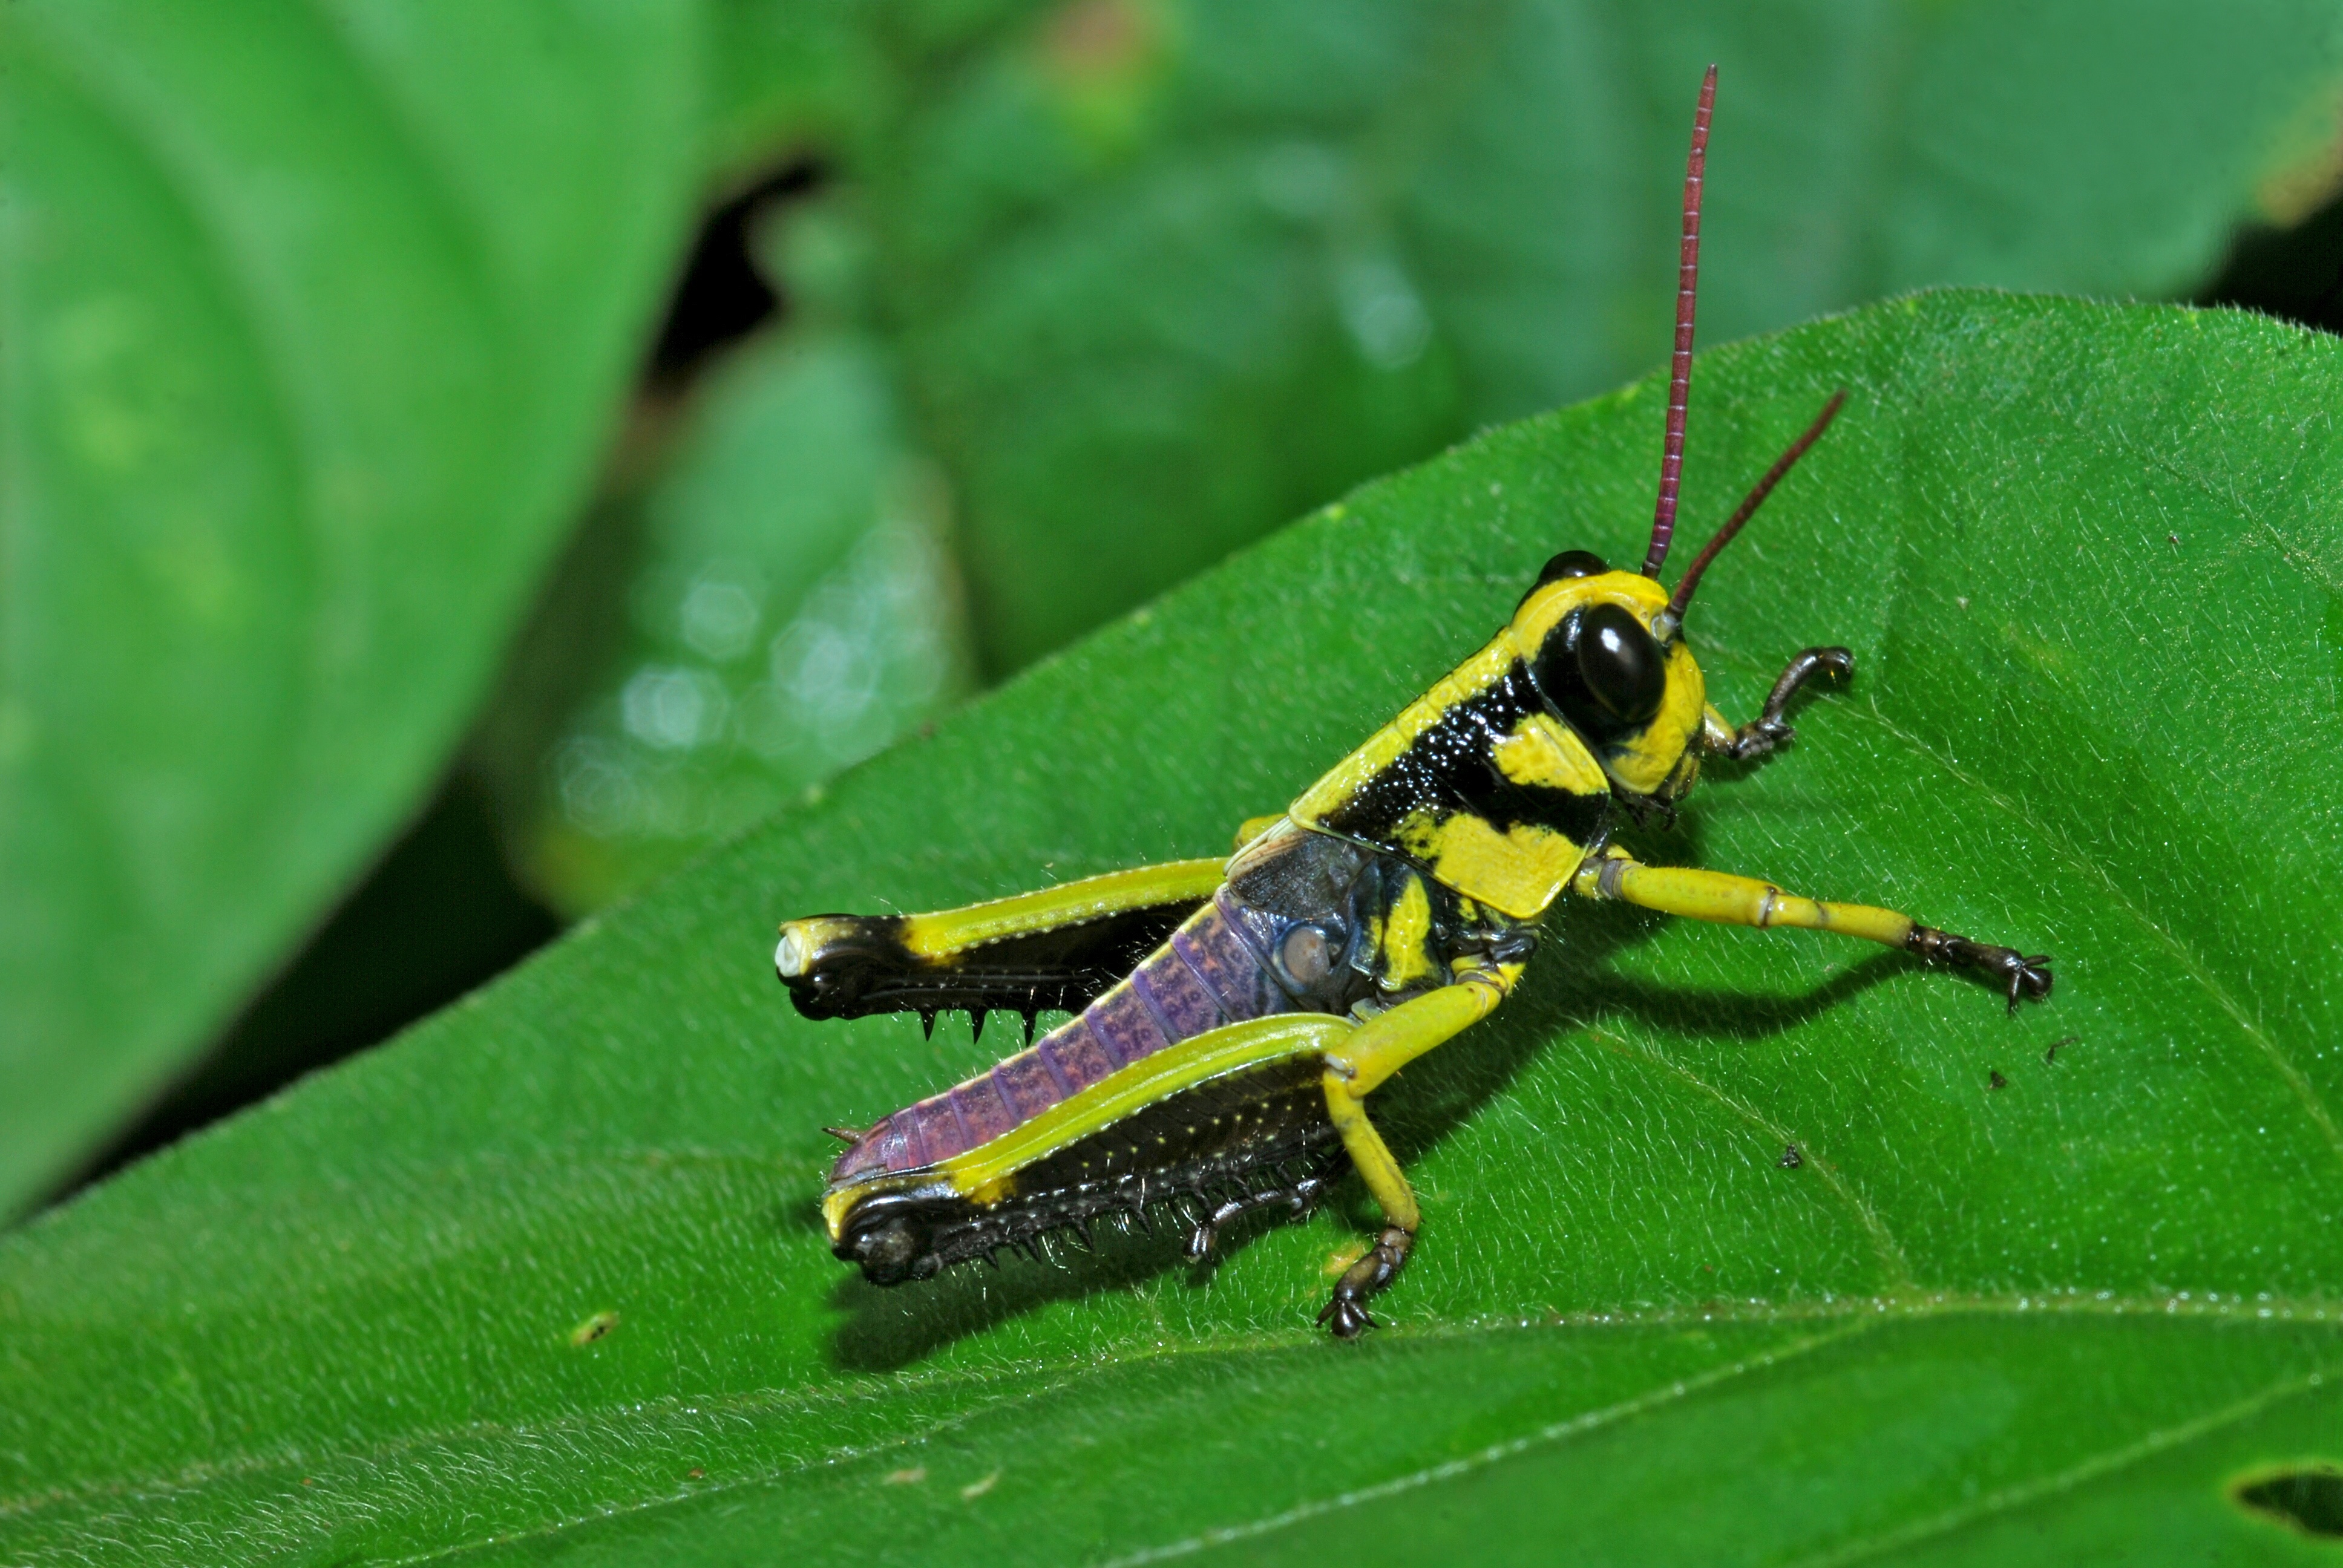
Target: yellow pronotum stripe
{"type": "Point", "coordinates": [949, 931]}
{"type": "Point", "coordinates": [1517, 872]}
{"type": "Point", "coordinates": [1380, 750]}
{"type": "Point", "coordinates": [1541, 754]}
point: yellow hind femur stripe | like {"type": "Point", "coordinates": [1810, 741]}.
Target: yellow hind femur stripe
{"type": "Point", "coordinates": [986, 1174]}
{"type": "Point", "coordinates": [1070, 904]}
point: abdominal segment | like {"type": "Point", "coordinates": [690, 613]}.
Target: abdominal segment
{"type": "Point", "coordinates": [1225, 964]}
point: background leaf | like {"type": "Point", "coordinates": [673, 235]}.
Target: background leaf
{"type": "Point", "coordinates": [785, 603]}
{"type": "Point", "coordinates": [1163, 274]}
{"type": "Point", "coordinates": [1151, 276]}
{"type": "Point", "coordinates": [545, 1277]}
{"type": "Point", "coordinates": [314, 322]}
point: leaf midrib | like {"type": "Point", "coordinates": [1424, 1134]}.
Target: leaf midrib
{"type": "Point", "coordinates": [2147, 1446]}
{"type": "Point", "coordinates": [1859, 1319]}
{"type": "Point", "coordinates": [1555, 1433]}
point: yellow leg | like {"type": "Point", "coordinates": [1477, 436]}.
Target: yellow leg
{"type": "Point", "coordinates": [1728, 899]}
{"type": "Point", "coordinates": [949, 931]}
{"type": "Point", "coordinates": [1026, 954]}
{"type": "Point", "coordinates": [1354, 1067]}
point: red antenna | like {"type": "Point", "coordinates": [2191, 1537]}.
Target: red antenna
{"type": "Point", "coordinates": [1663, 517]}
{"type": "Point", "coordinates": [1674, 614]}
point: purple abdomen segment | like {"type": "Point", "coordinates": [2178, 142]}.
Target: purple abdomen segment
{"type": "Point", "coordinates": [1205, 976]}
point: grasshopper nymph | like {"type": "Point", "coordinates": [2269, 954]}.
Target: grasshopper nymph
{"type": "Point", "coordinates": [1231, 1017]}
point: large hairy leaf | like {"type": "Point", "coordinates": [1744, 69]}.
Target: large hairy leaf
{"type": "Point", "coordinates": [314, 317]}
{"type": "Point", "coordinates": [545, 1277]}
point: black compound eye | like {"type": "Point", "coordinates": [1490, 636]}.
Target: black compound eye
{"type": "Point", "coordinates": [1572, 564]}
{"type": "Point", "coordinates": [1621, 663]}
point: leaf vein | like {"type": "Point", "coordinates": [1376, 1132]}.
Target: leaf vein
{"type": "Point", "coordinates": [1883, 1239]}
{"type": "Point", "coordinates": [2010, 1498]}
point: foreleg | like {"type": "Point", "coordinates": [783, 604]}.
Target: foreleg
{"type": "Point", "coordinates": [1769, 732]}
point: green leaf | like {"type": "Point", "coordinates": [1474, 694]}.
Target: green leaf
{"type": "Point", "coordinates": [546, 1275]}
{"type": "Point", "coordinates": [788, 605]}
{"type": "Point", "coordinates": [787, 78]}
{"type": "Point", "coordinates": [313, 321]}
{"type": "Point", "coordinates": [1163, 274]}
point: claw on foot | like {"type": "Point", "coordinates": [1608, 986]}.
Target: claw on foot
{"type": "Point", "coordinates": [1345, 1316]}
{"type": "Point", "coordinates": [2020, 976]}
{"type": "Point", "coordinates": [1769, 732]}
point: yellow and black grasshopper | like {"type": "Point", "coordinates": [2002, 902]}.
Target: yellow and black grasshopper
{"type": "Point", "coordinates": [1231, 1017]}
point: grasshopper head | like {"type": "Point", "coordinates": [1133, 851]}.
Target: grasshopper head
{"type": "Point", "coordinates": [1606, 651]}
{"type": "Point", "coordinates": [1608, 661]}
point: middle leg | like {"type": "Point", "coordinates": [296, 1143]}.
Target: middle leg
{"type": "Point", "coordinates": [1380, 1048]}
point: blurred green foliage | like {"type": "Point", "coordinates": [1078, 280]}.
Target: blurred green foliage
{"type": "Point", "coordinates": [1163, 275]}
{"type": "Point", "coordinates": [314, 323]}
{"type": "Point", "coordinates": [776, 600]}
{"type": "Point", "coordinates": [544, 1280]}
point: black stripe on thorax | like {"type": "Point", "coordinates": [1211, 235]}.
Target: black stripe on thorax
{"type": "Point", "coordinates": [1452, 768]}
